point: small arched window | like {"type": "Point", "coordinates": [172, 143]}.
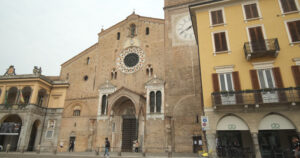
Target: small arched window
{"type": "Point", "coordinates": [103, 105]}
{"type": "Point", "coordinates": [147, 31]}
{"type": "Point", "coordinates": [152, 102]}
{"type": "Point", "coordinates": [132, 30]}
{"type": "Point", "coordinates": [118, 36]}
{"type": "Point", "coordinates": [76, 113]}
{"type": "Point", "coordinates": [158, 101]}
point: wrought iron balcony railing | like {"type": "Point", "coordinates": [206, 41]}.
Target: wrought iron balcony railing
{"type": "Point", "coordinates": [263, 48]}
{"type": "Point", "coordinates": [253, 97]}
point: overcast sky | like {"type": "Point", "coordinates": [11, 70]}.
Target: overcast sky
{"type": "Point", "coordinates": [47, 33]}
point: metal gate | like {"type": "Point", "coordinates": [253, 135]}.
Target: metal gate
{"type": "Point", "coordinates": [129, 133]}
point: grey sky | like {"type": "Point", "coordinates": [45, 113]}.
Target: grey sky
{"type": "Point", "coordinates": [47, 33]}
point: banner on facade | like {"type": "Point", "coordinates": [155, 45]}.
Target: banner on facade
{"type": "Point", "coordinates": [10, 128]}
{"type": "Point", "coordinates": [204, 123]}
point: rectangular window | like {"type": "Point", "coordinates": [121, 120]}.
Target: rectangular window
{"type": "Point", "coordinates": [288, 6]}
{"type": "Point", "coordinates": [226, 82]}
{"type": "Point", "coordinates": [251, 11]}
{"type": "Point", "coordinates": [220, 42]}
{"type": "Point", "coordinates": [294, 30]}
{"type": "Point", "coordinates": [217, 17]}
{"type": "Point", "coordinates": [266, 78]}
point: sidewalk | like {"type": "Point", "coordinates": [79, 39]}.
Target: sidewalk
{"type": "Point", "coordinates": [92, 154]}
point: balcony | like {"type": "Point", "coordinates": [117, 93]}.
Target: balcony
{"type": "Point", "coordinates": [4, 108]}
{"type": "Point", "coordinates": [264, 48]}
{"type": "Point", "coordinates": [257, 97]}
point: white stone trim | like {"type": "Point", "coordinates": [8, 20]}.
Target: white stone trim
{"type": "Point", "coordinates": [224, 69]}
{"type": "Point", "coordinates": [258, 10]}
{"type": "Point", "coordinates": [227, 40]}
{"type": "Point", "coordinates": [223, 15]}
{"type": "Point", "coordinates": [231, 123]}
{"type": "Point", "coordinates": [263, 65]}
{"type": "Point", "coordinates": [297, 60]}
{"type": "Point", "coordinates": [275, 122]}
{"type": "Point", "coordinates": [288, 31]}
{"type": "Point", "coordinates": [283, 13]}
{"type": "Point", "coordinates": [155, 116]}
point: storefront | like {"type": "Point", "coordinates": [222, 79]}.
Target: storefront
{"type": "Point", "coordinates": [275, 135]}
{"type": "Point", "coordinates": [233, 138]}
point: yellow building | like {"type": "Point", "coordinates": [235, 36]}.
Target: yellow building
{"type": "Point", "coordinates": [31, 107]}
{"type": "Point", "coordinates": [249, 54]}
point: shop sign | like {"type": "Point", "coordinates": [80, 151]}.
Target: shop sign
{"type": "Point", "coordinates": [275, 126]}
{"type": "Point", "coordinates": [204, 123]}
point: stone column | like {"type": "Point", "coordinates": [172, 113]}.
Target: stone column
{"type": "Point", "coordinates": [211, 143]}
{"type": "Point", "coordinates": [34, 94]}
{"type": "Point", "coordinates": [256, 145]}
{"type": "Point", "coordinates": [3, 93]}
{"type": "Point", "coordinates": [25, 132]}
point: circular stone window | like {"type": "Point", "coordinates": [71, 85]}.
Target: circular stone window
{"type": "Point", "coordinates": [131, 60]}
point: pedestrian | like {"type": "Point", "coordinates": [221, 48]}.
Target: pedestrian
{"type": "Point", "coordinates": [107, 147]}
{"type": "Point", "coordinates": [137, 146]}
{"type": "Point", "coordinates": [71, 146]}
{"type": "Point", "coordinates": [296, 147]}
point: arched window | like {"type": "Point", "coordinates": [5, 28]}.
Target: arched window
{"type": "Point", "coordinates": [158, 101]}
{"type": "Point", "coordinates": [42, 96]}
{"type": "Point", "coordinates": [147, 31]}
{"type": "Point", "coordinates": [132, 30]}
{"type": "Point", "coordinates": [76, 113]}
{"type": "Point", "coordinates": [152, 102]}
{"type": "Point", "coordinates": [12, 95]}
{"type": "Point", "coordinates": [103, 107]}
{"type": "Point", "coordinates": [76, 110]}
{"type": "Point", "coordinates": [118, 36]}
{"type": "Point", "coordinates": [25, 95]}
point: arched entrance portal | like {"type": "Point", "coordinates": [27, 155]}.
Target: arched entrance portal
{"type": "Point", "coordinates": [33, 135]}
{"type": "Point", "coordinates": [124, 124]}
{"type": "Point", "coordinates": [234, 138]}
{"type": "Point", "coordinates": [274, 136]}
{"type": "Point", "coordinates": [10, 131]}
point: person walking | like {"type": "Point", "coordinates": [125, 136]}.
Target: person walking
{"type": "Point", "coordinates": [107, 147]}
{"type": "Point", "coordinates": [71, 146]}
{"type": "Point", "coordinates": [137, 146]}
{"type": "Point", "coordinates": [296, 147]}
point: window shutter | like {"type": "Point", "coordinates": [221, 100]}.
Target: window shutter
{"type": "Point", "coordinates": [296, 73]}
{"type": "Point", "coordinates": [217, 96]}
{"type": "Point", "coordinates": [237, 87]}
{"type": "Point", "coordinates": [254, 79]}
{"type": "Point", "coordinates": [284, 5]}
{"type": "Point", "coordinates": [216, 82]}
{"type": "Point", "coordinates": [279, 83]}
{"type": "Point", "coordinates": [220, 17]}
{"type": "Point", "coordinates": [247, 11]}
{"type": "Point", "coordinates": [277, 77]}
{"type": "Point", "coordinates": [224, 42]}
{"type": "Point", "coordinates": [217, 42]}
{"type": "Point", "coordinates": [254, 10]}
{"type": "Point", "coordinates": [294, 31]}
{"type": "Point", "coordinates": [214, 17]}
{"type": "Point", "coordinates": [255, 85]}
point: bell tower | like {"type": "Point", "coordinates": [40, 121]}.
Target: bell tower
{"type": "Point", "coordinates": [182, 73]}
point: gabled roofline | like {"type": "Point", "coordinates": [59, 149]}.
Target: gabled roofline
{"type": "Point", "coordinates": [158, 20]}
{"type": "Point", "coordinates": [80, 54]}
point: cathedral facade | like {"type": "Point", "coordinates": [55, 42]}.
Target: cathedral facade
{"type": "Point", "coordinates": [139, 82]}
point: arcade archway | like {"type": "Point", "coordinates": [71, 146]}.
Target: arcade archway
{"type": "Point", "coordinates": [33, 135]}
{"type": "Point", "coordinates": [10, 132]}
{"type": "Point", "coordinates": [234, 138]}
{"type": "Point", "coordinates": [274, 136]}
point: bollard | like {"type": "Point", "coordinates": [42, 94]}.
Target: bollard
{"type": "Point", "coordinates": [54, 151]}
{"type": "Point", "coordinates": [38, 149]}
{"type": "Point", "coordinates": [97, 151]}
{"type": "Point", "coordinates": [144, 154]}
{"type": "Point", "coordinates": [119, 153]}
{"type": "Point", "coordinates": [7, 148]}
